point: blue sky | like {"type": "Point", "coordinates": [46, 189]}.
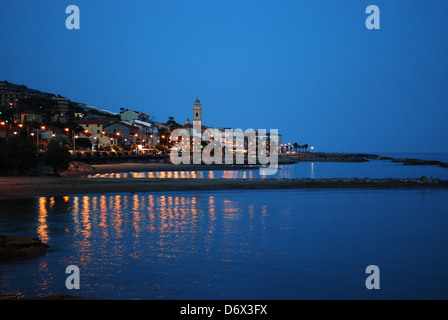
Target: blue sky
{"type": "Point", "coordinates": [308, 68]}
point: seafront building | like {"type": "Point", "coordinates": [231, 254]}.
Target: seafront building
{"type": "Point", "coordinates": [225, 135]}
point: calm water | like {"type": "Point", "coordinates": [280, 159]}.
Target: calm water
{"type": "Point", "coordinates": [371, 169]}
{"type": "Point", "coordinates": [269, 244]}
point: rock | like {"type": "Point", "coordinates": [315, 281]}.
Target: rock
{"type": "Point", "coordinates": [80, 167]}
{"type": "Point", "coordinates": [8, 297]}
{"type": "Point", "coordinates": [417, 162]}
{"type": "Point", "coordinates": [20, 247]}
{"type": "Point", "coordinates": [54, 297]}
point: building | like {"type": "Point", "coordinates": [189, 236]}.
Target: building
{"type": "Point", "coordinates": [31, 116]}
{"type": "Point", "coordinates": [92, 125]}
{"type": "Point", "coordinates": [98, 139]}
{"type": "Point", "coordinates": [120, 128]}
{"type": "Point", "coordinates": [60, 112]}
{"type": "Point", "coordinates": [197, 113]}
{"type": "Point", "coordinates": [10, 93]}
{"type": "Point", "coordinates": [226, 136]}
{"type": "Point", "coordinates": [130, 115]}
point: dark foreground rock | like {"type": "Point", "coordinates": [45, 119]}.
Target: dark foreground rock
{"type": "Point", "coordinates": [417, 162]}
{"type": "Point", "coordinates": [55, 297]}
{"type": "Point", "coordinates": [20, 247]}
{"type": "Point", "coordinates": [325, 157]}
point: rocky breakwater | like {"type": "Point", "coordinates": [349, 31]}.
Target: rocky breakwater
{"type": "Point", "coordinates": [420, 162]}
{"type": "Point", "coordinates": [370, 182]}
{"type": "Point", "coordinates": [323, 157]}
{"type": "Point", "coordinates": [20, 247]}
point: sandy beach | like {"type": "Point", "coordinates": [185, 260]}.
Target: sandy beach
{"type": "Point", "coordinates": [78, 183]}
{"type": "Point", "coordinates": [142, 167]}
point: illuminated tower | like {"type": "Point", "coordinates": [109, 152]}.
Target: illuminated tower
{"type": "Point", "coordinates": [196, 131]}
{"type": "Point", "coordinates": [197, 113]}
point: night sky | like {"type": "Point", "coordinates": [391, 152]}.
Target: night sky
{"type": "Point", "coordinates": [310, 69]}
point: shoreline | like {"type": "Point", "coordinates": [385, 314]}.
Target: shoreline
{"type": "Point", "coordinates": [76, 181]}
{"type": "Point", "coordinates": [20, 187]}
{"type": "Point", "coordinates": [150, 167]}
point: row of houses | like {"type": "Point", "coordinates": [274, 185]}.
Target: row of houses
{"type": "Point", "coordinates": [129, 130]}
{"type": "Point", "coordinates": [45, 116]}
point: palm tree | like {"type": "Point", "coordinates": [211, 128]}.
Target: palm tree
{"type": "Point", "coordinates": [295, 145]}
{"type": "Point", "coordinates": [305, 146]}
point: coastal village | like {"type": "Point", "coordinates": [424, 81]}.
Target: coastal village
{"type": "Point", "coordinates": [93, 133]}
{"type": "Point", "coordinates": [43, 117]}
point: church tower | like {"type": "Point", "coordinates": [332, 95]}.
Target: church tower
{"type": "Point", "coordinates": [197, 113]}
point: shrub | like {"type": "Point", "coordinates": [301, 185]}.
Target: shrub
{"type": "Point", "coordinates": [57, 156]}
{"type": "Point", "coordinates": [83, 143]}
{"type": "Point", "coordinates": [18, 154]}
{"type": "Point", "coordinates": [42, 145]}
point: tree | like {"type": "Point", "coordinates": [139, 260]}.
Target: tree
{"type": "Point", "coordinates": [57, 156]}
{"type": "Point", "coordinates": [172, 124]}
{"type": "Point", "coordinates": [83, 143]}
{"type": "Point", "coordinates": [295, 145]}
{"type": "Point", "coordinates": [18, 154]}
{"type": "Point", "coordinates": [305, 146]}
{"type": "Point", "coordinates": [164, 135]}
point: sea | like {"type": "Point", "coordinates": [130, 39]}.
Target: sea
{"type": "Point", "coordinates": [313, 170]}
{"type": "Point", "coordinates": [240, 244]}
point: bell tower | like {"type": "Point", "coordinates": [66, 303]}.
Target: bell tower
{"type": "Point", "coordinates": [197, 113]}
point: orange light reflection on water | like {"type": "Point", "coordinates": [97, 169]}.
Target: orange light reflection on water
{"type": "Point", "coordinates": [42, 227]}
{"type": "Point", "coordinates": [124, 226]}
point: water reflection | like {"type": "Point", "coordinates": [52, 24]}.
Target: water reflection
{"type": "Point", "coordinates": [313, 170]}
{"type": "Point", "coordinates": [156, 222]}
{"type": "Point", "coordinates": [218, 174]}
{"type": "Point", "coordinates": [231, 245]}
{"type": "Point", "coordinates": [42, 227]}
